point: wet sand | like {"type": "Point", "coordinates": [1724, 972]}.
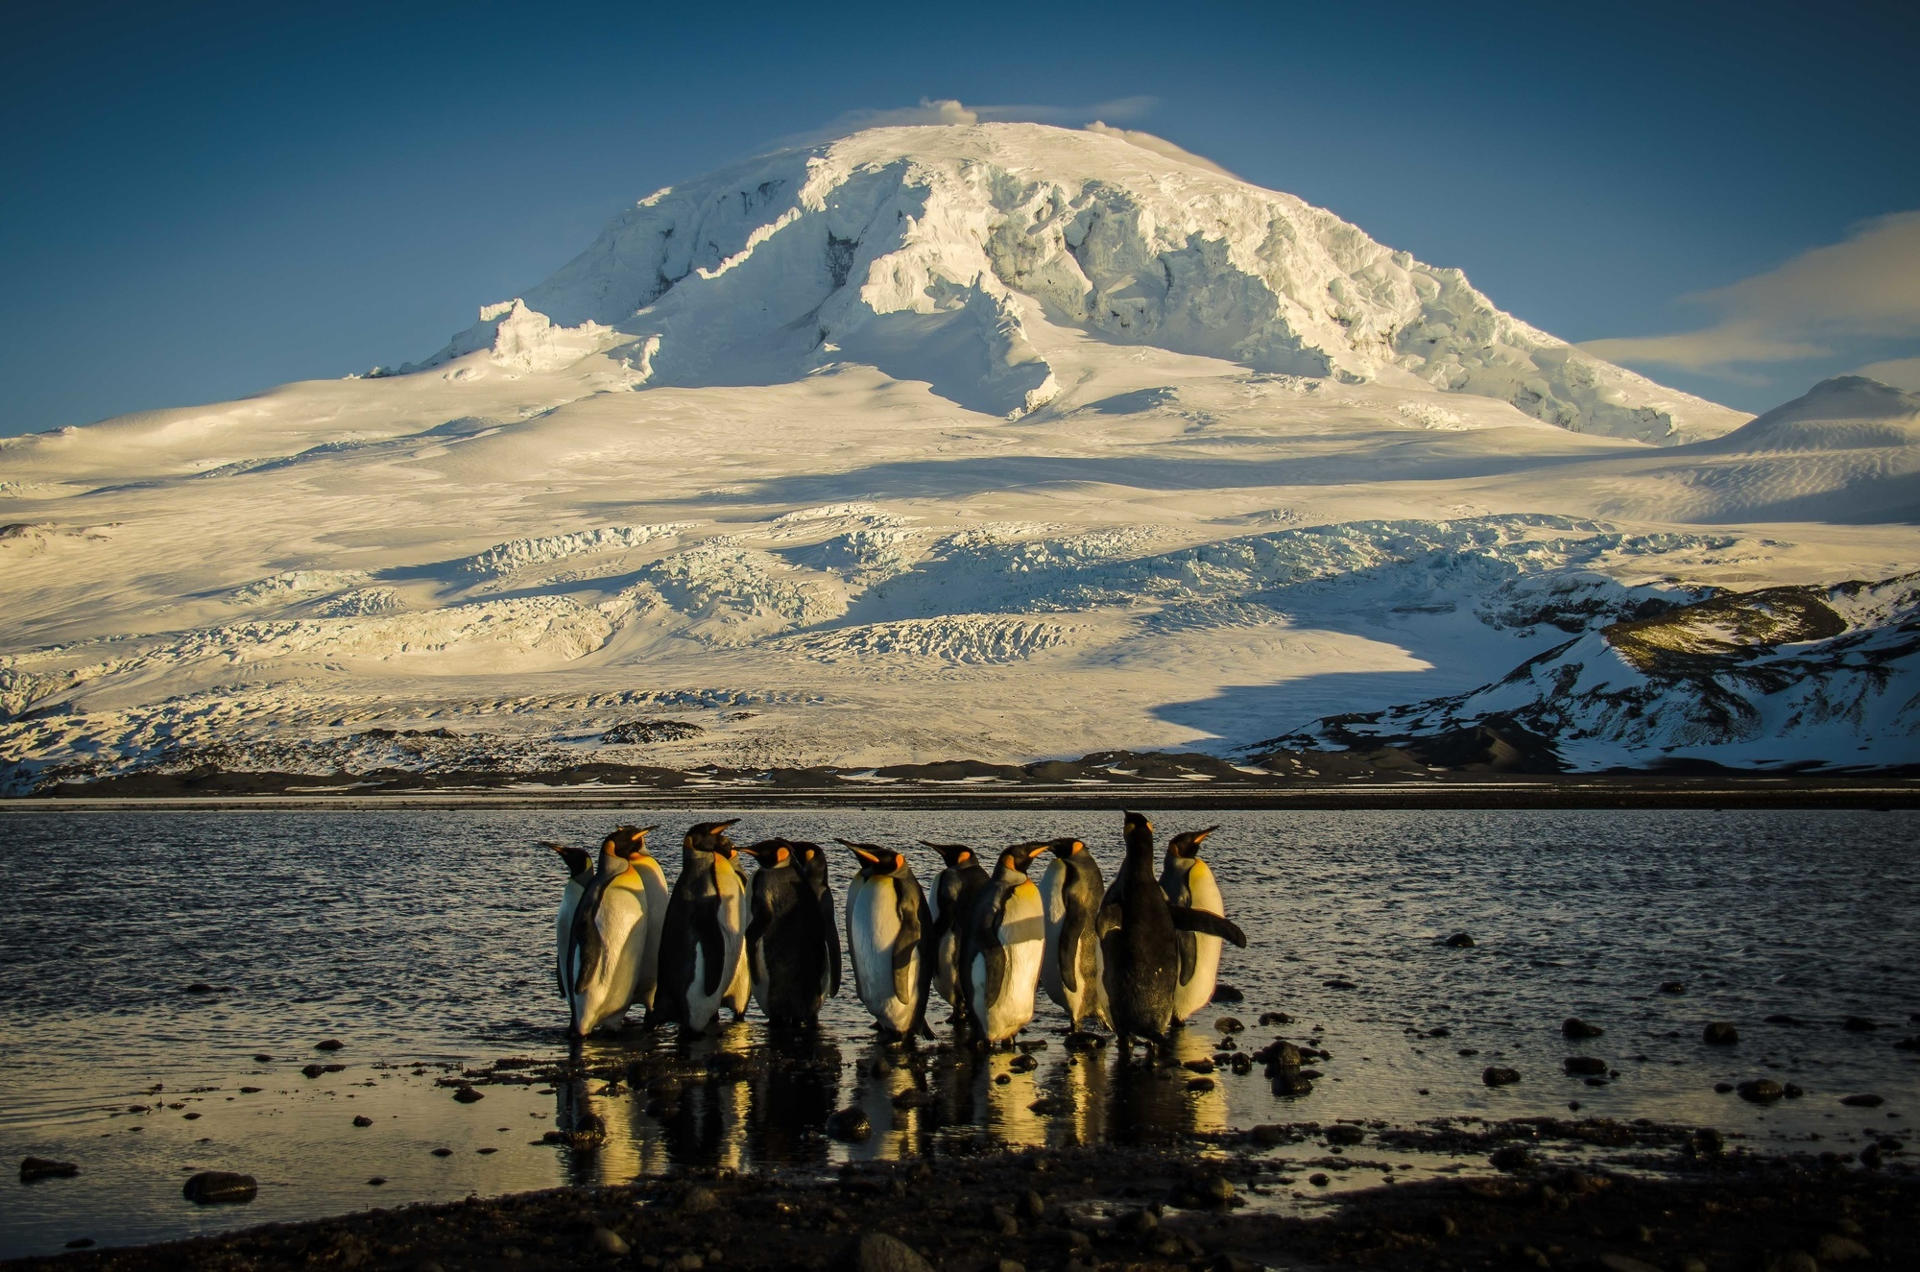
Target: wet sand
{"type": "Point", "coordinates": [1639, 1196]}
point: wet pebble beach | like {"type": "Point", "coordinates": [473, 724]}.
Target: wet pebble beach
{"type": "Point", "coordinates": [1457, 1039]}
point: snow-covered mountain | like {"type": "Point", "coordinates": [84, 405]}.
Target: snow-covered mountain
{"type": "Point", "coordinates": [937, 254]}
{"type": "Point", "coordinates": [999, 442]}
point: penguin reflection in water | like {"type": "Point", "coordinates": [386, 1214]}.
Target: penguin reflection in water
{"type": "Point", "coordinates": [1189, 883]}
{"type": "Point", "coordinates": [886, 918]}
{"type": "Point", "coordinates": [1006, 942]}
{"type": "Point", "coordinates": [606, 942]}
{"type": "Point", "coordinates": [1139, 943]}
{"type": "Point", "coordinates": [951, 905]}
{"type": "Point", "coordinates": [786, 938]}
{"type": "Point", "coordinates": [703, 963]}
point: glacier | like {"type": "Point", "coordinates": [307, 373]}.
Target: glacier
{"type": "Point", "coordinates": [992, 443]}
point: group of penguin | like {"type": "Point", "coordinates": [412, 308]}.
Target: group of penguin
{"type": "Point", "coordinates": [1140, 956]}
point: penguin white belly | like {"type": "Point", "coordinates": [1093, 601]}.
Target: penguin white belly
{"type": "Point", "coordinates": [1197, 991]}
{"type": "Point", "coordinates": [633, 948]}
{"type": "Point", "coordinates": [1023, 943]}
{"type": "Point", "coordinates": [599, 992]}
{"type": "Point", "coordinates": [873, 927]}
{"type": "Point", "coordinates": [1053, 909]}
{"type": "Point", "coordinates": [563, 928]}
{"type": "Point", "coordinates": [654, 883]}
{"type": "Point", "coordinates": [733, 924]}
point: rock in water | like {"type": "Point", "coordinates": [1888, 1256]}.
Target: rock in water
{"type": "Point", "coordinates": [1585, 1066]}
{"type": "Point", "coordinates": [32, 1168]}
{"type": "Point", "coordinates": [1760, 1090]}
{"type": "Point", "coordinates": [1574, 1027]}
{"type": "Point", "coordinates": [215, 1187]}
{"type": "Point", "coordinates": [1495, 1076]}
{"type": "Point", "coordinates": [849, 1125]}
{"type": "Point", "coordinates": [1719, 1033]}
{"type": "Point", "coordinates": [1458, 941]}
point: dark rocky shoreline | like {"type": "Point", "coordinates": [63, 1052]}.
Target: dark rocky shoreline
{"type": "Point", "coordinates": [1108, 780]}
{"type": "Point", "coordinates": [1664, 1199]}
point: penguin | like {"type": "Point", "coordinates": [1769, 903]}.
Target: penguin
{"type": "Point", "coordinates": [786, 946]}
{"type": "Point", "coordinates": [1005, 945]}
{"type": "Point", "coordinates": [604, 945]}
{"type": "Point", "coordinates": [886, 918]}
{"type": "Point", "coordinates": [580, 873]}
{"type": "Point", "coordinates": [1139, 943]}
{"type": "Point", "coordinates": [703, 949]}
{"type": "Point", "coordinates": [1188, 882]}
{"type": "Point", "coordinates": [1071, 894]}
{"type": "Point", "coordinates": [632, 844]}
{"type": "Point", "coordinates": [813, 868]}
{"type": "Point", "coordinates": [950, 904]}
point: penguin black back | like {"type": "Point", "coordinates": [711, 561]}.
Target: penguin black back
{"type": "Point", "coordinates": [786, 941]}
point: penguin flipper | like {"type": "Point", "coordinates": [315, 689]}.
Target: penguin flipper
{"type": "Point", "coordinates": [1073, 932]}
{"type": "Point", "coordinates": [1187, 919]}
{"type": "Point", "coordinates": [756, 930]}
{"type": "Point", "coordinates": [909, 976]}
{"type": "Point", "coordinates": [713, 943]}
{"type": "Point", "coordinates": [830, 924]}
{"type": "Point", "coordinates": [1108, 920]}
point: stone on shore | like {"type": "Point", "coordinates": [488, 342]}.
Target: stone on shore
{"type": "Point", "coordinates": [878, 1252]}
{"type": "Point", "coordinates": [1497, 1076]}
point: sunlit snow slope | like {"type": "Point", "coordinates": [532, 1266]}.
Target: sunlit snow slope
{"type": "Point", "coordinates": [1001, 442]}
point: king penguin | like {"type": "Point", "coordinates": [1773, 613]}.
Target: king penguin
{"type": "Point", "coordinates": [1071, 894]}
{"type": "Point", "coordinates": [1139, 943]}
{"type": "Point", "coordinates": [813, 868]}
{"type": "Point", "coordinates": [632, 844]}
{"type": "Point", "coordinates": [604, 946]}
{"type": "Point", "coordinates": [786, 947]}
{"type": "Point", "coordinates": [1189, 883]}
{"type": "Point", "coordinates": [703, 949]}
{"type": "Point", "coordinates": [950, 905]}
{"type": "Point", "coordinates": [1006, 943]}
{"type": "Point", "coordinates": [886, 917]}
{"type": "Point", "coordinates": [580, 872]}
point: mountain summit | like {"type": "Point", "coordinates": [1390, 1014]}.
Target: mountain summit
{"type": "Point", "coordinates": [972, 257]}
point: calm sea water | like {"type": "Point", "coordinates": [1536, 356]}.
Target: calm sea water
{"type": "Point", "coordinates": [426, 936]}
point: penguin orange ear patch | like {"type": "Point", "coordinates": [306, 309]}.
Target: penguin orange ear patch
{"type": "Point", "coordinates": [780, 856]}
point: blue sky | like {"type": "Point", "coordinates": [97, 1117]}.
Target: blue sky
{"type": "Point", "coordinates": [205, 200]}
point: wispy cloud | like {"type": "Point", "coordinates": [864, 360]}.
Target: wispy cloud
{"type": "Point", "coordinates": [949, 111]}
{"type": "Point", "coordinates": [1901, 373]}
{"type": "Point", "coordinates": [1867, 287]}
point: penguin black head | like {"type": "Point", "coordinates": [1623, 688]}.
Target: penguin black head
{"type": "Point", "coordinates": [578, 860]}
{"type": "Point", "coordinates": [630, 841]}
{"type": "Point", "coordinates": [874, 860]}
{"type": "Point", "coordinates": [772, 852]}
{"type": "Point", "coordinates": [1186, 845]}
{"type": "Point", "coordinates": [1020, 856]}
{"type": "Point", "coordinates": [1065, 847]}
{"type": "Point", "coordinates": [1137, 824]}
{"type": "Point", "coordinates": [955, 855]}
{"type": "Point", "coordinates": [712, 837]}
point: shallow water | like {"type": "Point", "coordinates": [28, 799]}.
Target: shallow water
{"type": "Point", "coordinates": [424, 938]}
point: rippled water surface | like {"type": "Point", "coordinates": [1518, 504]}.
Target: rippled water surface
{"type": "Point", "coordinates": [424, 938]}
